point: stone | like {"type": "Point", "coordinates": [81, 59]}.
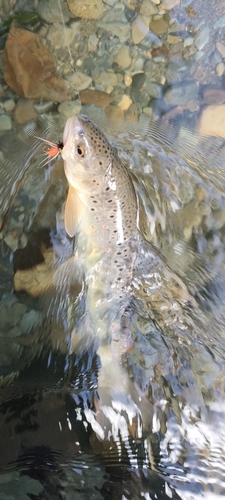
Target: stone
{"type": "Point", "coordinates": [125, 102]}
{"type": "Point", "coordinates": [24, 111]}
{"type": "Point", "coordinates": [62, 36]}
{"type": "Point", "coordinates": [86, 9]}
{"type": "Point", "coordinates": [220, 23]}
{"type": "Point", "coordinates": [158, 26]}
{"type": "Point", "coordinates": [172, 39]}
{"type": "Point", "coordinates": [30, 69]}
{"type": "Point", "coordinates": [127, 80]}
{"type": "Point", "coordinates": [107, 79]}
{"type": "Point", "coordinates": [96, 97]}
{"type": "Point", "coordinates": [50, 13]}
{"type": "Point", "coordinates": [181, 93]}
{"type": "Point", "coordinates": [221, 48]}
{"type": "Point", "coordinates": [168, 4]}
{"type": "Point", "coordinates": [213, 95]}
{"type": "Point", "coordinates": [118, 29]}
{"type": "Point", "coordinates": [122, 57]}
{"type": "Point", "coordinates": [212, 121]}
{"type": "Point", "coordinates": [148, 8]}
{"type": "Point", "coordinates": [9, 105]}
{"type": "Point", "coordinates": [139, 29]}
{"type": "Point", "coordinates": [220, 69]}
{"type": "Point", "coordinates": [92, 43]}
{"type": "Point", "coordinates": [79, 81]}
{"type": "Point", "coordinates": [69, 108]}
{"type": "Point", "coordinates": [5, 122]}
{"type": "Point", "coordinates": [202, 39]}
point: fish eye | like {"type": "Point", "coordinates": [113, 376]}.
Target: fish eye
{"type": "Point", "coordinates": [81, 151]}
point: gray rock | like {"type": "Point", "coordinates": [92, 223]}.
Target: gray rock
{"type": "Point", "coordinates": [153, 89]}
{"type": "Point", "coordinates": [202, 39]}
{"type": "Point", "coordinates": [117, 28]}
{"type": "Point", "coordinates": [30, 320]}
{"type": "Point", "coordinates": [69, 108]}
{"type": "Point", "coordinates": [220, 23]}
{"type": "Point", "coordinates": [138, 81]}
{"type": "Point", "coordinates": [51, 13]}
{"type": "Point", "coordinates": [5, 122]}
{"type": "Point", "coordinates": [182, 93]}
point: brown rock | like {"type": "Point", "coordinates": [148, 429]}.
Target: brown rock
{"type": "Point", "coordinates": [101, 99]}
{"type": "Point", "coordinates": [29, 68]}
{"type": "Point", "coordinates": [86, 9]}
{"type": "Point", "coordinates": [213, 95]}
{"type": "Point", "coordinates": [158, 26]}
{"type": "Point", "coordinates": [24, 111]}
{"type": "Point", "coordinates": [212, 121]}
{"type": "Point", "coordinates": [160, 51]}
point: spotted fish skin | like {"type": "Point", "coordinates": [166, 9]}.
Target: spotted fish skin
{"type": "Point", "coordinates": [101, 209]}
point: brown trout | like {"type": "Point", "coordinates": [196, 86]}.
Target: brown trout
{"type": "Point", "coordinates": [101, 209]}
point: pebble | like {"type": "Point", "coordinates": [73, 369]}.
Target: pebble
{"type": "Point", "coordinates": [127, 80]}
{"type": "Point", "coordinates": [125, 102]}
{"type": "Point", "coordinates": [122, 57]}
{"type": "Point", "coordinates": [68, 108]}
{"type": "Point", "coordinates": [90, 9]}
{"type": "Point", "coordinates": [220, 69]}
{"type": "Point", "coordinates": [156, 2]}
{"type": "Point", "coordinates": [172, 39]}
{"type": "Point", "coordinates": [202, 39]}
{"type": "Point", "coordinates": [24, 111]}
{"type": "Point", "coordinates": [153, 89]}
{"type": "Point", "coordinates": [139, 29]}
{"type": "Point", "coordinates": [221, 48]}
{"type": "Point", "coordinates": [78, 81]}
{"type": "Point", "coordinates": [213, 95]}
{"type": "Point", "coordinates": [159, 26]}
{"type": "Point", "coordinates": [62, 36]}
{"type": "Point", "coordinates": [182, 93]}
{"type": "Point", "coordinates": [212, 121]}
{"type": "Point", "coordinates": [42, 107]}
{"type": "Point", "coordinates": [5, 122]}
{"type": "Point", "coordinates": [148, 8]}
{"type": "Point", "coordinates": [138, 81]}
{"type": "Point", "coordinates": [118, 29]}
{"type": "Point", "coordinates": [169, 4]}
{"type": "Point", "coordinates": [148, 111]}
{"type": "Point", "coordinates": [107, 79]}
{"type": "Point", "coordinates": [9, 105]}
{"type": "Point", "coordinates": [220, 23]}
{"type": "Point", "coordinates": [92, 43]}
{"type": "Point", "coordinates": [50, 13]}
{"type": "Point", "coordinates": [100, 99]}
{"type": "Point", "coordinates": [188, 41]}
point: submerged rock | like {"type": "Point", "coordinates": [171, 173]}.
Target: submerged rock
{"type": "Point", "coordinates": [29, 68]}
{"type": "Point", "coordinates": [212, 121]}
{"type": "Point", "coordinates": [90, 9]}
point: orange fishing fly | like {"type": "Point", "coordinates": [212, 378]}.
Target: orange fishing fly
{"type": "Point", "coordinates": [52, 150]}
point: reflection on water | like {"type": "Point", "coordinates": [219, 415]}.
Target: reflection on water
{"type": "Point", "coordinates": [63, 435]}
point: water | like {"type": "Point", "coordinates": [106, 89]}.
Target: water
{"type": "Point", "coordinates": [172, 443]}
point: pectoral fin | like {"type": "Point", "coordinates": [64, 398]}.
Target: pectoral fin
{"type": "Point", "coordinates": [73, 212]}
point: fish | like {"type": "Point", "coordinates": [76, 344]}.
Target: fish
{"type": "Point", "coordinates": [101, 209]}
{"type": "Point", "coordinates": [101, 212]}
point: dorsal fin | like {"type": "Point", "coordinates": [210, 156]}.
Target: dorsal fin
{"type": "Point", "coordinates": [73, 212]}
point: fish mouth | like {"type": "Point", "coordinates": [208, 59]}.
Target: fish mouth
{"type": "Point", "coordinates": [73, 131]}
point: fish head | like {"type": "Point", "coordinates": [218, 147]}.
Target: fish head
{"type": "Point", "coordinates": [87, 154]}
